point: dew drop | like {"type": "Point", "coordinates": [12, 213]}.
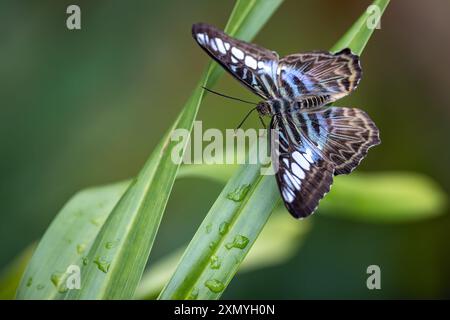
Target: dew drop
{"type": "Point", "coordinates": [223, 228]}
{"type": "Point", "coordinates": [29, 282]}
{"type": "Point", "coordinates": [239, 242]}
{"type": "Point", "coordinates": [80, 248]}
{"type": "Point", "coordinates": [56, 278]}
{"type": "Point", "coordinates": [111, 244]}
{"type": "Point", "coordinates": [40, 286]}
{"type": "Point", "coordinates": [214, 262]}
{"type": "Point", "coordinates": [214, 285]}
{"type": "Point", "coordinates": [212, 244]}
{"type": "Point", "coordinates": [194, 294]}
{"type": "Point", "coordinates": [85, 261]}
{"type": "Point", "coordinates": [208, 227]}
{"type": "Point", "coordinates": [102, 264]}
{"type": "Point", "coordinates": [239, 193]}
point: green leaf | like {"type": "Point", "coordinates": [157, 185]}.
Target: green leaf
{"type": "Point", "coordinates": [284, 245]}
{"type": "Point", "coordinates": [68, 240]}
{"type": "Point", "coordinates": [193, 277]}
{"type": "Point", "coordinates": [113, 271]}
{"type": "Point", "coordinates": [384, 197]}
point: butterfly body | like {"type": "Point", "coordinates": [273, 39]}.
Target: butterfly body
{"type": "Point", "coordinates": [314, 142]}
{"type": "Point", "coordinates": [285, 105]}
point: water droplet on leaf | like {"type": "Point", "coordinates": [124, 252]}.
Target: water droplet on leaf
{"type": "Point", "coordinates": [194, 294]}
{"type": "Point", "coordinates": [29, 282]}
{"type": "Point", "coordinates": [111, 244]}
{"type": "Point", "coordinates": [223, 228]}
{"type": "Point", "coordinates": [214, 285]}
{"type": "Point", "coordinates": [80, 248]}
{"type": "Point", "coordinates": [212, 244]}
{"type": "Point", "coordinates": [239, 193]}
{"type": "Point", "coordinates": [239, 242]}
{"type": "Point", "coordinates": [56, 278]}
{"type": "Point", "coordinates": [102, 264]}
{"type": "Point", "coordinates": [214, 262]}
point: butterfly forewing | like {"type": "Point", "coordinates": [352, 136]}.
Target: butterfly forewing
{"type": "Point", "coordinates": [252, 65]}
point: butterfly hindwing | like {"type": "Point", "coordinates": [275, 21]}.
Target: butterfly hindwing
{"type": "Point", "coordinates": [252, 65]}
{"type": "Point", "coordinates": [319, 74]}
{"type": "Point", "coordinates": [303, 175]}
{"type": "Point", "coordinates": [341, 135]}
{"type": "Point", "coordinates": [314, 145]}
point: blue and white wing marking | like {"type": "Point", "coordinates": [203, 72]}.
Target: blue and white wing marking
{"type": "Point", "coordinates": [303, 176]}
{"type": "Point", "coordinates": [315, 145]}
{"type": "Point", "coordinates": [252, 65]}
{"type": "Point", "coordinates": [319, 73]}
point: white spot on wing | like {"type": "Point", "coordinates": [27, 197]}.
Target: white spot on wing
{"type": "Point", "coordinates": [213, 45]}
{"type": "Point", "coordinates": [237, 53]}
{"type": "Point", "coordinates": [251, 62]}
{"type": "Point", "coordinates": [288, 181]}
{"type": "Point", "coordinates": [220, 46]}
{"type": "Point", "coordinates": [294, 182]}
{"type": "Point", "coordinates": [201, 38]}
{"type": "Point", "coordinates": [298, 171]}
{"type": "Point", "coordinates": [261, 65]}
{"type": "Point", "coordinates": [234, 60]}
{"type": "Point", "coordinates": [299, 158]}
{"type": "Point", "coordinates": [227, 45]}
{"type": "Point", "coordinates": [288, 196]}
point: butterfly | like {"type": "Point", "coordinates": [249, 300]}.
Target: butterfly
{"type": "Point", "coordinates": [314, 141]}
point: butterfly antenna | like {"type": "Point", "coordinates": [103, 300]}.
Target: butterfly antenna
{"type": "Point", "coordinates": [229, 97]}
{"type": "Point", "coordinates": [245, 118]}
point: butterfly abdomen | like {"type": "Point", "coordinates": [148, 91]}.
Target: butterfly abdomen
{"type": "Point", "coordinates": [312, 101]}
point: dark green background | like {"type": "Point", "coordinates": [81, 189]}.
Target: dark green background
{"type": "Point", "coordinates": [82, 108]}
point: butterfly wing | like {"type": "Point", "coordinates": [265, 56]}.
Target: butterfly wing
{"type": "Point", "coordinates": [303, 175]}
{"type": "Point", "coordinates": [314, 145]}
{"type": "Point", "coordinates": [343, 136]}
{"type": "Point", "coordinates": [252, 65]}
{"type": "Point", "coordinates": [319, 74]}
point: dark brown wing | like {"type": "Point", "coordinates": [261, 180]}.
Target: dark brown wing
{"type": "Point", "coordinates": [303, 175]}
{"type": "Point", "coordinates": [343, 136]}
{"type": "Point", "coordinates": [252, 65]}
{"type": "Point", "coordinates": [312, 146]}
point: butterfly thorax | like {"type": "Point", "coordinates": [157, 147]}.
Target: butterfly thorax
{"type": "Point", "coordinates": [285, 105]}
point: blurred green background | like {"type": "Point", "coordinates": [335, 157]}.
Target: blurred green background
{"type": "Point", "coordinates": [83, 108]}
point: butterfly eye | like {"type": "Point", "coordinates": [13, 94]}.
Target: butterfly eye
{"type": "Point", "coordinates": [263, 108]}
